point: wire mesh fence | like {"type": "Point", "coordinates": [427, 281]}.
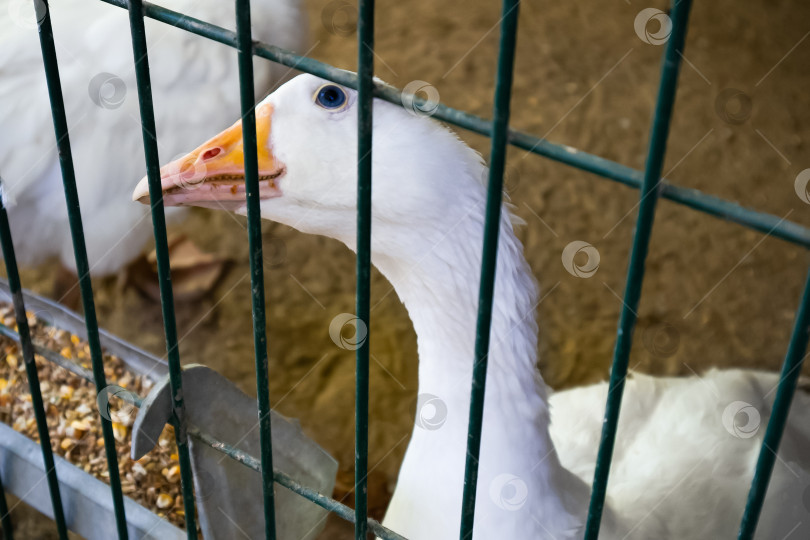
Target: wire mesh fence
{"type": "Point", "coordinates": [648, 181]}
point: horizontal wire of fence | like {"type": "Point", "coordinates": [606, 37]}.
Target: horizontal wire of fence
{"type": "Point", "coordinates": [692, 198]}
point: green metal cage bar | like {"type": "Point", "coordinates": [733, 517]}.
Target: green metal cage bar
{"type": "Point", "coordinates": [365, 106]}
{"type": "Point", "coordinates": [791, 369]}
{"type": "Point", "coordinates": [80, 252]}
{"type": "Point", "coordinates": [254, 219]}
{"type": "Point", "coordinates": [5, 515]}
{"type": "Point", "coordinates": [143, 80]}
{"type": "Point", "coordinates": [692, 198]}
{"type": "Point", "coordinates": [31, 371]}
{"type": "Point", "coordinates": [638, 255]}
{"type": "Point", "coordinates": [492, 221]}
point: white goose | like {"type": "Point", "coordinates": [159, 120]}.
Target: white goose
{"type": "Point", "coordinates": [678, 470]}
{"type": "Point", "coordinates": [194, 83]}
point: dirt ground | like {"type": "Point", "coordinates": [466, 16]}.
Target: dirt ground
{"type": "Point", "coordinates": [715, 294]}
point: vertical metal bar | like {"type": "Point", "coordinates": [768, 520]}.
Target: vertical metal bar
{"type": "Point", "coordinates": [365, 102]}
{"type": "Point", "coordinates": [635, 273]}
{"type": "Point", "coordinates": [31, 369]}
{"type": "Point", "coordinates": [147, 111]}
{"type": "Point", "coordinates": [500, 125]}
{"type": "Point", "coordinates": [254, 218]}
{"type": "Point", "coordinates": [80, 252]}
{"type": "Point", "coordinates": [5, 515]}
{"type": "Point", "coordinates": [791, 369]}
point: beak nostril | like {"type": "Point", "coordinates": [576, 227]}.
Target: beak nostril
{"type": "Point", "coordinates": [211, 153]}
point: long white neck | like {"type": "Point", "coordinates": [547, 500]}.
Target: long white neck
{"type": "Point", "coordinates": [522, 488]}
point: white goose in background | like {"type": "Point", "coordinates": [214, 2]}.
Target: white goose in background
{"type": "Point", "coordinates": [678, 472]}
{"type": "Point", "coordinates": [195, 84]}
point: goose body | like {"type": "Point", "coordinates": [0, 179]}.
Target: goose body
{"type": "Point", "coordinates": [680, 469]}
{"type": "Point", "coordinates": [194, 85]}
{"type": "Point", "coordinates": [682, 451]}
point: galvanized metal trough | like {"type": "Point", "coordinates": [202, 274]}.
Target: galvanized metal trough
{"type": "Point", "coordinates": [213, 406]}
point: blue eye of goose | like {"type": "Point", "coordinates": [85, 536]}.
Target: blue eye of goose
{"type": "Point", "coordinates": [331, 97]}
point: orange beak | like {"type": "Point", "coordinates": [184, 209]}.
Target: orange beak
{"type": "Point", "coordinates": [214, 173]}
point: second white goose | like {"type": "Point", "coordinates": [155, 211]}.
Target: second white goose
{"type": "Point", "coordinates": [194, 84]}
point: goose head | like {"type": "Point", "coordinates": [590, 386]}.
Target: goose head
{"type": "Point", "coordinates": [307, 158]}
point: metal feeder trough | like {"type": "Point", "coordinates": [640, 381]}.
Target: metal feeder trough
{"type": "Point", "coordinates": [223, 486]}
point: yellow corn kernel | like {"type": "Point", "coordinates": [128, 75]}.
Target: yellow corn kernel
{"type": "Point", "coordinates": [164, 500]}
